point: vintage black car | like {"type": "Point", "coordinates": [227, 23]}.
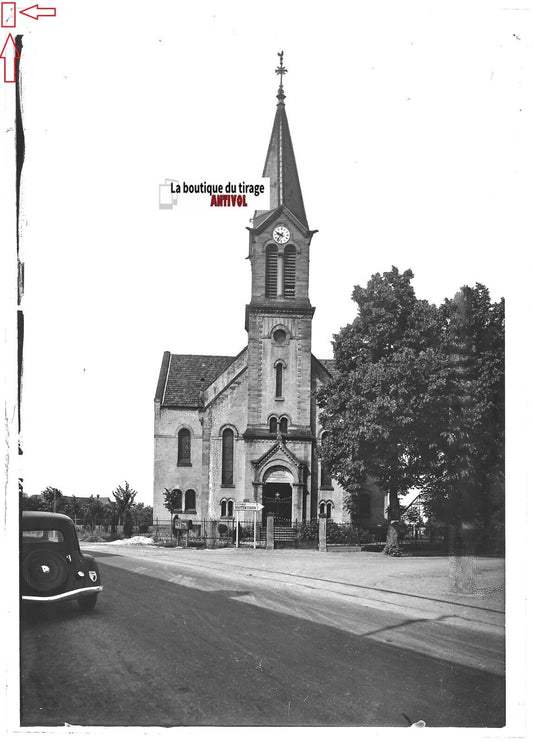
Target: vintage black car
{"type": "Point", "coordinates": [52, 566]}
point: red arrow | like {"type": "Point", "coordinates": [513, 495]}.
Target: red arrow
{"type": "Point", "coordinates": [36, 12]}
{"type": "Point", "coordinates": [10, 53]}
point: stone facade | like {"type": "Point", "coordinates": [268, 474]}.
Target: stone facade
{"type": "Point", "coordinates": [229, 429]}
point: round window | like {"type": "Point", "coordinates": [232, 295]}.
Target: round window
{"type": "Point", "coordinates": [280, 336]}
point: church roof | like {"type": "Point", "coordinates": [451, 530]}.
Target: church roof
{"type": "Point", "coordinates": [329, 365]}
{"type": "Point", "coordinates": [183, 378]}
{"type": "Point", "coordinates": [280, 166]}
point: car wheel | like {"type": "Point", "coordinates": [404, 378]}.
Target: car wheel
{"type": "Point", "coordinates": [44, 570]}
{"type": "Point", "coordinates": [86, 603]}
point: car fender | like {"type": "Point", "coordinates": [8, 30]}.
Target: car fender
{"type": "Point", "coordinates": [91, 570]}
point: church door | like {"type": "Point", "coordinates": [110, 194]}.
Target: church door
{"type": "Point", "coordinates": [277, 500]}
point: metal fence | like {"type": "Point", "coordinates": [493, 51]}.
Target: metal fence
{"type": "Point", "coordinates": [223, 532]}
{"type": "Point", "coordinates": [295, 534]}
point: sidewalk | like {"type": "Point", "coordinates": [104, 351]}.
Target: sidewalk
{"type": "Point", "coordinates": [425, 578]}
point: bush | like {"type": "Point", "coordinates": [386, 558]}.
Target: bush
{"type": "Point", "coordinates": [222, 529]}
{"type": "Point", "coordinates": [196, 542]}
{"type": "Point", "coordinates": [308, 530]}
{"type": "Point", "coordinates": [246, 532]}
{"type": "Point", "coordinates": [339, 533]}
{"type": "Point", "coordinates": [165, 542]}
{"type": "Point", "coordinates": [345, 534]}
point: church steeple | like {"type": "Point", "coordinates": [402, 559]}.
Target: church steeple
{"type": "Point", "coordinates": [280, 164]}
{"type": "Point", "coordinates": [279, 315]}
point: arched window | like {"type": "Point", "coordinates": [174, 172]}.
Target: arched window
{"type": "Point", "coordinates": [325, 477]}
{"type": "Point", "coordinates": [279, 379]}
{"type": "Point", "coordinates": [230, 509]}
{"type": "Point", "coordinates": [283, 424]}
{"type": "Point", "coordinates": [227, 456]}
{"type": "Point", "coordinates": [328, 509]}
{"type": "Point", "coordinates": [190, 500]}
{"type": "Point", "coordinates": [184, 447]}
{"type": "Point", "coordinates": [289, 272]}
{"type": "Point", "coordinates": [322, 508]}
{"type": "Point", "coordinates": [177, 500]}
{"type": "Point", "coordinates": [223, 507]}
{"type": "Point", "coordinates": [273, 424]}
{"type": "Point", "coordinates": [271, 273]}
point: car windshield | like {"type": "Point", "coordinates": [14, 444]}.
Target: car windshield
{"type": "Point", "coordinates": [42, 535]}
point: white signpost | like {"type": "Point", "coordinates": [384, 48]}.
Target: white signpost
{"type": "Point", "coordinates": [247, 506]}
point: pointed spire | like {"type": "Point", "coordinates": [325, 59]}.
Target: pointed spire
{"type": "Point", "coordinates": [280, 164]}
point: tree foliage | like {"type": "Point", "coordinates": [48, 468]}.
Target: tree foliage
{"type": "Point", "coordinates": [128, 524]}
{"type": "Point", "coordinates": [377, 408]}
{"type": "Point", "coordinates": [417, 399]}
{"type": "Point", "coordinates": [465, 483]}
{"type": "Point", "coordinates": [142, 516]}
{"type": "Point", "coordinates": [93, 511]}
{"type": "Point", "coordinates": [124, 497]}
{"type": "Point", "coordinates": [53, 498]}
{"type": "Point", "coordinates": [172, 500]}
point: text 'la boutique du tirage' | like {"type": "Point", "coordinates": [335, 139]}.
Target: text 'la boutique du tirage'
{"type": "Point", "coordinates": [231, 194]}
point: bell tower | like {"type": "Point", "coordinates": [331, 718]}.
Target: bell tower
{"type": "Point", "coordinates": [279, 314]}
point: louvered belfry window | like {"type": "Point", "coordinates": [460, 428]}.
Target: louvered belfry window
{"type": "Point", "coordinates": [289, 273]}
{"type": "Point", "coordinates": [227, 457]}
{"type": "Point", "coordinates": [271, 275]}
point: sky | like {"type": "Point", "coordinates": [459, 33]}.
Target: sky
{"type": "Point", "coordinates": [409, 123]}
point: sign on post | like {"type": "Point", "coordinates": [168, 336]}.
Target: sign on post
{"type": "Point", "coordinates": [243, 507]}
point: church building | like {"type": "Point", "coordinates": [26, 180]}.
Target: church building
{"type": "Point", "coordinates": [245, 428]}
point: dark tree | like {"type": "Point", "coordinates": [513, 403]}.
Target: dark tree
{"type": "Point", "coordinates": [124, 497]}
{"type": "Point", "coordinates": [143, 516]}
{"type": "Point", "coordinates": [32, 503]}
{"type": "Point", "coordinates": [54, 499]}
{"type": "Point", "coordinates": [173, 500]}
{"type": "Point", "coordinates": [378, 407]}
{"type": "Point", "coordinates": [128, 524]}
{"type": "Point", "coordinates": [465, 485]}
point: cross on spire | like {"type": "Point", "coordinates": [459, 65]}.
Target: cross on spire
{"type": "Point", "coordinates": [281, 70]}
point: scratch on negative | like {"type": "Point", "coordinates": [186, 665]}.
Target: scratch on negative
{"type": "Point", "coordinates": [6, 466]}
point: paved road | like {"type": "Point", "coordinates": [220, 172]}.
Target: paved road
{"type": "Point", "coordinates": [160, 651]}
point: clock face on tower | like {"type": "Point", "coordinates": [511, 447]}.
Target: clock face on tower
{"type": "Point", "coordinates": [281, 234]}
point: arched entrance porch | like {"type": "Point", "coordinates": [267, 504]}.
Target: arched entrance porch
{"type": "Point", "coordinates": [277, 495]}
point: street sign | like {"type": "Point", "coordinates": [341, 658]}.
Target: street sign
{"type": "Point", "coordinates": [248, 506]}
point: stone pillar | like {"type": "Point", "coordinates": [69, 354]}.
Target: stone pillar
{"type": "Point", "coordinates": [270, 533]}
{"type": "Point", "coordinates": [210, 534]}
{"type": "Point", "coordinates": [297, 499]}
{"type": "Point", "coordinates": [322, 541]}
